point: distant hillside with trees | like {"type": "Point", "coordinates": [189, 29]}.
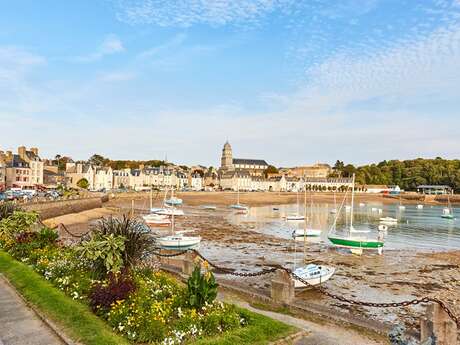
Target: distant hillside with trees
{"type": "Point", "coordinates": [407, 174]}
{"type": "Point", "coordinates": [122, 164]}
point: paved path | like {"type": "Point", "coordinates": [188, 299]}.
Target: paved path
{"type": "Point", "coordinates": [317, 334]}
{"type": "Point", "coordinates": [19, 325]}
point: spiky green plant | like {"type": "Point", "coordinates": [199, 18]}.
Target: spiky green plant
{"type": "Point", "coordinates": [7, 209]}
{"type": "Point", "coordinates": [137, 241]}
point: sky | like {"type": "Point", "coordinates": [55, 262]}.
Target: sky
{"type": "Point", "coordinates": [289, 81]}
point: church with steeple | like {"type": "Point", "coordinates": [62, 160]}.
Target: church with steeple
{"type": "Point", "coordinates": [253, 167]}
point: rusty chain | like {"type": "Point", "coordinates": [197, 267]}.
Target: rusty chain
{"type": "Point", "coordinates": [322, 289]}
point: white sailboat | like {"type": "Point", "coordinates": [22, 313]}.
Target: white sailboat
{"type": "Point", "coordinates": [310, 274]}
{"type": "Point", "coordinates": [388, 221]}
{"type": "Point", "coordinates": [448, 212]}
{"type": "Point", "coordinates": [313, 275]}
{"type": "Point", "coordinates": [153, 219]}
{"type": "Point", "coordinates": [354, 240]}
{"type": "Point", "coordinates": [334, 210]}
{"type": "Point", "coordinates": [297, 216]}
{"type": "Point", "coordinates": [238, 206]}
{"type": "Point", "coordinates": [307, 231]}
{"type": "Point", "coordinates": [178, 240]}
{"type": "Point", "coordinates": [169, 210]}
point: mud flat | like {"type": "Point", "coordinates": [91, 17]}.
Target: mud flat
{"type": "Point", "coordinates": [395, 276]}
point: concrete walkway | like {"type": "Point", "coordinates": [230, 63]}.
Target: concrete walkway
{"type": "Point", "coordinates": [19, 325]}
{"type": "Point", "coordinates": [317, 334]}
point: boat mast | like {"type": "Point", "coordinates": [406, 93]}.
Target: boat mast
{"type": "Point", "coordinates": [151, 197]}
{"type": "Point", "coordinates": [237, 189]}
{"type": "Point", "coordinates": [352, 202]}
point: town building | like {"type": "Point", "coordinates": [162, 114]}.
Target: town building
{"type": "Point", "coordinates": [254, 167]}
{"type": "Point", "coordinates": [22, 170]}
{"type": "Point", "coordinates": [434, 189]}
{"type": "Point", "coordinates": [318, 170]}
{"type": "Point", "coordinates": [320, 184]}
{"type": "Point", "coordinates": [18, 174]}
{"type": "Point", "coordinates": [75, 172]}
{"type": "Point", "coordinates": [35, 164]}
{"type": "Point", "coordinates": [196, 181]}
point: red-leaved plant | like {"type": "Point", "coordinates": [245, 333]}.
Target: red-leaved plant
{"type": "Point", "coordinates": [118, 287]}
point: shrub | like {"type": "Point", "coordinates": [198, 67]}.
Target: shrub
{"type": "Point", "coordinates": [137, 241]}
{"type": "Point", "coordinates": [105, 251]}
{"type": "Point", "coordinates": [202, 288]}
{"type": "Point", "coordinates": [47, 236]}
{"type": "Point", "coordinates": [7, 209]}
{"type": "Point", "coordinates": [116, 289]}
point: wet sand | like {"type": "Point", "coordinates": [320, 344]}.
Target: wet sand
{"type": "Point", "coordinates": [395, 276]}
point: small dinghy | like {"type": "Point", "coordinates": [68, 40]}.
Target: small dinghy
{"type": "Point", "coordinates": [209, 207]}
{"type": "Point", "coordinates": [419, 207]}
{"type": "Point", "coordinates": [156, 220]}
{"type": "Point", "coordinates": [313, 275]}
{"type": "Point", "coordinates": [239, 207]}
{"type": "Point", "coordinates": [170, 212]}
{"type": "Point", "coordinates": [173, 201]}
{"type": "Point", "coordinates": [295, 218]}
{"type": "Point", "coordinates": [306, 233]}
{"type": "Point", "coordinates": [388, 221]}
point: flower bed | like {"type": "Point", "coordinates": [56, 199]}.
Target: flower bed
{"type": "Point", "coordinates": [141, 304]}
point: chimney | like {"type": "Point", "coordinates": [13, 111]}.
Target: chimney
{"type": "Point", "coordinates": [22, 151]}
{"type": "Point", "coordinates": [34, 150]}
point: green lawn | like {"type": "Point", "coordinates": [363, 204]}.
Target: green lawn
{"type": "Point", "coordinates": [76, 319]}
{"type": "Point", "coordinates": [80, 324]}
{"type": "Point", "coordinates": [262, 330]}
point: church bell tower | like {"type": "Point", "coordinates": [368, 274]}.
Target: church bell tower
{"type": "Point", "coordinates": [226, 161]}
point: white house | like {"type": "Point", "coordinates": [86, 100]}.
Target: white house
{"type": "Point", "coordinates": [103, 178]}
{"type": "Point", "coordinates": [196, 182]}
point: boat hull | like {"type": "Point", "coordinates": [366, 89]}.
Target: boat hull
{"type": "Point", "coordinates": [178, 242]}
{"type": "Point", "coordinates": [328, 273]}
{"type": "Point", "coordinates": [355, 243]}
{"type": "Point", "coordinates": [306, 233]}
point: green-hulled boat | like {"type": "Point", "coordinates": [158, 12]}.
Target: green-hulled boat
{"type": "Point", "coordinates": [353, 241]}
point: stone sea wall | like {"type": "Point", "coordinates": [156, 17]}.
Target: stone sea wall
{"type": "Point", "coordinates": [52, 209]}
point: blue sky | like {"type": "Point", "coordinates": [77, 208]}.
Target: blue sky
{"type": "Point", "coordinates": [292, 82]}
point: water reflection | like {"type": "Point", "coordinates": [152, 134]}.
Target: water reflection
{"type": "Point", "coordinates": [422, 229]}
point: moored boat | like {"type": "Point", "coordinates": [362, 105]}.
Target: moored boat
{"type": "Point", "coordinates": [209, 207]}
{"type": "Point", "coordinates": [173, 201]}
{"type": "Point", "coordinates": [156, 220]}
{"type": "Point", "coordinates": [179, 242]}
{"type": "Point", "coordinates": [312, 274]}
{"type": "Point", "coordinates": [170, 212]}
{"type": "Point", "coordinates": [388, 220]}
{"type": "Point", "coordinates": [306, 233]}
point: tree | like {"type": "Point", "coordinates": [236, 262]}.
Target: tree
{"type": "Point", "coordinates": [98, 160]}
{"type": "Point", "coordinates": [83, 183]}
{"type": "Point", "coordinates": [270, 170]}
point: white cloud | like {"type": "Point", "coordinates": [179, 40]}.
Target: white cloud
{"type": "Point", "coordinates": [186, 13]}
{"type": "Point", "coordinates": [111, 45]}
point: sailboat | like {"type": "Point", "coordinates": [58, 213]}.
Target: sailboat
{"type": "Point", "coordinates": [153, 219]}
{"type": "Point", "coordinates": [388, 221]}
{"type": "Point", "coordinates": [297, 216]}
{"type": "Point", "coordinates": [170, 209]}
{"type": "Point", "coordinates": [401, 206]}
{"type": "Point", "coordinates": [334, 210]}
{"type": "Point", "coordinates": [311, 274]}
{"type": "Point", "coordinates": [448, 212]}
{"type": "Point", "coordinates": [354, 241]}
{"type": "Point", "coordinates": [238, 206]}
{"type": "Point", "coordinates": [307, 232]}
{"type": "Point", "coordinates": [172, 201]}
{"type": "Point", "coordinates": [178, 240]}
